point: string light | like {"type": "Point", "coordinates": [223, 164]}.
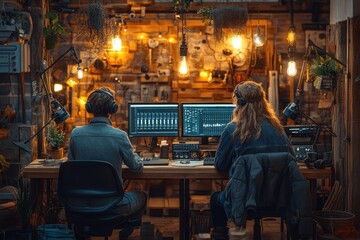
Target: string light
{"type": "Point", "coordinates": [291, 38]}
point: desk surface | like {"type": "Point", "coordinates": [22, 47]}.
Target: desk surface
{"type": "Point", "coordinates": [38, 170]}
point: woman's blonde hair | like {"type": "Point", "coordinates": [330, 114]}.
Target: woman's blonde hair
{"type": "Point", "coordinates": [251, 108]}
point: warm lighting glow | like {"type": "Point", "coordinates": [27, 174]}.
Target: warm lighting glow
{"type": "Point", "coordinates": [80, 73]}
{"type": "Point", "coordinates": [58, 87]}
{"type": "Point", "coordinates": [82, 101]}
{"type": "Point", "coordinates": [183, 68]}
{"type": "Point", "coordinates": [72, 82]}
{"type": "Point", "coordinates": [171, 40]}
{"type": "Point", "coordinates": [116, 43]}
{"type": "Point", "coordinates": [204, 74]}
{"type": "Point", "coordinates": [236, 42]}
{"type": "Point", "coordinates": [258, 39]}
{"type": "Point", "coordinates": [291, 37]}
{"type": "Point", "coordinates": [291, 70]}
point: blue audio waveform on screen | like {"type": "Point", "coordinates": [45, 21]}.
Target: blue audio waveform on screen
{"type": "Point", "coordinates": [205, 119]}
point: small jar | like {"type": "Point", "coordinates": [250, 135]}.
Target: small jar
{"type": "Point", "coordinates": [164, 149]}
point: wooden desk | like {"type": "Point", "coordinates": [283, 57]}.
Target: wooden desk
{"type": "Point", "coordinates": [38, 172]}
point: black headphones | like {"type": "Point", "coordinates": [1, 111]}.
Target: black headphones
{"type": "Point", "coordinates": [111, 107]}
{"type": "Point", "coordinates": [240, 100]}
{"type": "Point", "coordinates": [319, 163]}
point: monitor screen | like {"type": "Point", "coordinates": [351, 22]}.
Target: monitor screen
{"type": "Point", "coordinates": [153, 119]}
{"type": "Point", "coordinates": [205, 119]}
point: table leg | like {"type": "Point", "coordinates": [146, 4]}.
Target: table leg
{"type": "Point", "coordinates": [184, 209]}
{"type": "Point", "coordinates": [313, 192]}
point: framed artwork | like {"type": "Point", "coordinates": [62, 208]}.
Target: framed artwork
{"type": "Point", "coordinates": [318, 37]}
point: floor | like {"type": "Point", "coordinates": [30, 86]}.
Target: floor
{"type": "Point", "coordinates": [168, 227]}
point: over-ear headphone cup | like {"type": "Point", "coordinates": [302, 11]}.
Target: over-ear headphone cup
{"type": "Point", "coordinates": [113, 107]}
{"type": "Point", "coordinates": [320, 164]}
{"type": "Point", "coordinates": [88, 107]}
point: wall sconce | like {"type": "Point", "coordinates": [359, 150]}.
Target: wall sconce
{"type": "Point", "coordinates": [258, 37]}
{"type": "Point", "coordinates": [80, 73]}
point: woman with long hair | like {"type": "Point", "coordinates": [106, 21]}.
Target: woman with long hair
{"type": "Point", "coordinates": [255, 128]}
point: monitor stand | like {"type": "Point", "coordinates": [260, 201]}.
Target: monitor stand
{"type": "Point", "coordinates": [204, 140]}
{"type": "Point", "coordinates": [209, 140]}
{"type": "Point", "coordinates": [153, 144]}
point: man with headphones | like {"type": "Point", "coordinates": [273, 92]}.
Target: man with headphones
{"type": "Point", "coordinates": [99, 140]}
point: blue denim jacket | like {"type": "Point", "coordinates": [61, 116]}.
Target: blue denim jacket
{"type": "Point", "coordinates": [230, 148]}
{"type": "Point", "coordinates": [101, 141]}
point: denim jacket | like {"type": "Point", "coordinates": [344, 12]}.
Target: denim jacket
{"type": "Point", "coordinates": [230, 148]}
{"type": "Point", "coordinates": [100, 141]}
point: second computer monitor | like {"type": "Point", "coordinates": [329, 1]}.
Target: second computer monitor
{"type": "Point", "coordinates": [153, 119]}
{"type": "Point", "coordinates": [205, 119]}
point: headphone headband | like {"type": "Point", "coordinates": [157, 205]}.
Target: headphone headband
{"type": "Point", "coordinates": [111, 107]}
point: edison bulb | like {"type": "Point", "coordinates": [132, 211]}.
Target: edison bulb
{"type": "Point", "coordinates": [291, 70]}
{"type": "Point", "coordinates": [183, 67]}
{"type": "Point", "coordinates": [116, 43]}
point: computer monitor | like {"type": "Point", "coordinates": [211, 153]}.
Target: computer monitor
{"type": "Point", "coordinates": [153, 119]}
{"type": "Point", "coordinates": [205, 119]}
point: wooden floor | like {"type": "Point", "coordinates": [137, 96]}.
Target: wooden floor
{"type": "Point", "coordinates": [169, 227]}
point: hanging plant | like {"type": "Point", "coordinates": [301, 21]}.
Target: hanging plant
{"type": "Point", "coordinates": [96, 17]}
{"type": "Point", "coordinates": [53, 31]}
{"type": "Point", "coordinates": [181, 5]}
{"type": "Point", "coordinates": [206, 15]}
{"type": "Point", "coordinates": [324, 72]}
{"type": "Point", "coordinates": [234, 17]}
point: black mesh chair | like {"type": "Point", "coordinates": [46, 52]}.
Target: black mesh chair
{"type": "Point", "coordinates": [89, 191]}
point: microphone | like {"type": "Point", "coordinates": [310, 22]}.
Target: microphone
{"type": "Point", "coordinates": [292, 110]}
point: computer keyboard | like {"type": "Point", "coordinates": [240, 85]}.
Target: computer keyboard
{"type": "Point", "coordinates": [155, 161]}
{"type": "Point", "coordinates": [209, 161]}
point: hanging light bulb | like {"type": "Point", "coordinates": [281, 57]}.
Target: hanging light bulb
{"type": "Point", "coordinates": [258, 37]}
{"type": "Point", "coordinates": [116, 43]}
{"type": "Point", "coordinates": [80, 73]}
{"type": "Point", "coordinates": [236, 42]}
{"type": "Point", "coordinates": [183, 66]}
{"type": "Point", "coordinates": [58, 87]}
{"type": "Point", "coordinates": [291, 70]}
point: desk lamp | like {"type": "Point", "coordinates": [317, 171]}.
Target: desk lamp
{"type": "Point", "coordinates": [58, 112]}
{"type": "Point", "coordinates": [293, 110]}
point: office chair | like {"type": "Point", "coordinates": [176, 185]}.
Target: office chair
{"type": "Point", "coordinates": [275, 188]}
{"type": "Point", "coordinates": [89, 191]}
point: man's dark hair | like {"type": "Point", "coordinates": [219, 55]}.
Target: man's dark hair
{"type": "Point", "coordinates": [100, 101]}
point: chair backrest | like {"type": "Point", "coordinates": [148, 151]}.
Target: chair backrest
{"type": "Point", "coordinates": [274, 189]}
{"type": "Point", "coordinates": [89, 186]}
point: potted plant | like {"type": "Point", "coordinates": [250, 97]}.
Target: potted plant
{"type": "Point", "coordinates": [56, 141]}
{"type": "Point", "coordinates": [25, 202]}
{"type": "Point", "coordinates": [53, 31]}
{"type": "Point", "coordinates": [324, 72]}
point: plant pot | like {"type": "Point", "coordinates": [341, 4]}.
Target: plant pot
{"type": "Point", "coordinates": [57, 153]}
{"type": "Point", "coordinates": [334, 223]}
{"type": "Point", "coordinates": [51, 41]}
{"type": "Point", "coordinates": [328, 82]}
